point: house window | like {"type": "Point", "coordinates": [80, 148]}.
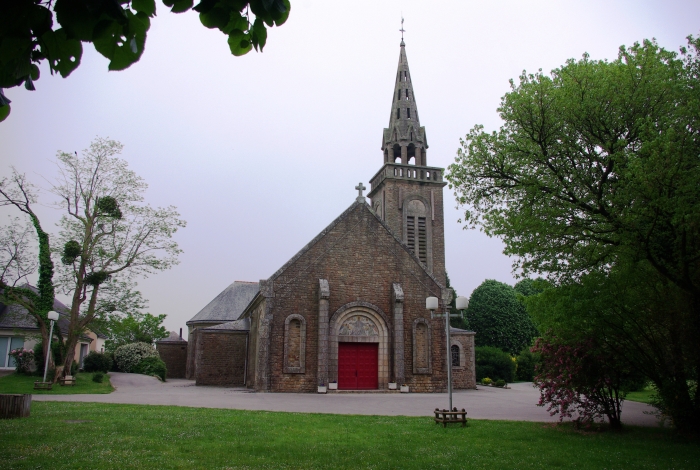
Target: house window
{"type": "Point", "coordinates": [295, 344]}
{"type": "Point", "coordinates": [454, 352]}
{"type": "Point", "coordinates": [7, 344]}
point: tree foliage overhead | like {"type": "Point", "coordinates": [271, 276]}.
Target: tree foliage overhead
{"type": "Point", "coordinates": [593, 182]}
{"type": "Point", "coordinates": [499, 318]}
{"type": "Point", "coordinates": [595, 162]}
{"type": "Point", "coordinates": [34, 31]}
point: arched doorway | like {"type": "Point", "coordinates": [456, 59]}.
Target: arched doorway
{"type": "Point", "coordinates": [359, 347]}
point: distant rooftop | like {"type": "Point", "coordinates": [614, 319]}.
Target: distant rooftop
{"type": "Point", "coordinates": [229, 304]}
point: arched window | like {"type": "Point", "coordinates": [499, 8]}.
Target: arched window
{"type": "Point", "coordinates": [454, 352]}
{"type": "Point", "coordinates": [295, 344]}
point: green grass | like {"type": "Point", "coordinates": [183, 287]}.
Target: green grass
{"type": "Point", "coordinates": [643, 396]}
{"type": "Point", "coordinates": [106, 436]}
{"type": "Point", "coordinates": [19, 383]}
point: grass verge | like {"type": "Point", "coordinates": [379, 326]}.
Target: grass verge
{"type": "Point", "coordinates": [19, 383]}
{"type": "Point", "coordinates": [91, 435]}
{"type": "Point", "coordinates": [642, 396]}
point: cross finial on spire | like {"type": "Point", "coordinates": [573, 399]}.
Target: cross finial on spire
{"type": "Point", "coordinates": [402, 30]}
{"type": "Point", "coordinates": [360, 187]}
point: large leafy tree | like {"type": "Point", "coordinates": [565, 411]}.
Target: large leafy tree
{"type": "Point", "coordinates": [107, 233]}
{"type": "Point", "coordinates": [499, 319]}
{"type": "Point", "coordinates": [34, 31]}
{"type": "Point", "coordinates": [595, 169]}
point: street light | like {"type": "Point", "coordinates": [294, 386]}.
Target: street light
{"type": "Point", "coordinates": [53, 316]}
{"type": "Point", "coordinates": [431, 303]}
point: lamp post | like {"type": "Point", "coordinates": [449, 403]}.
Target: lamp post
{"type": "Point", "coordinates": [53, 316]}
{"type": "Point", "coordinates": [432, 303]}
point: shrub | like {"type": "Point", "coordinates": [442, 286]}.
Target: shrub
{"type": "Point", "coordinates": [500, 383]}
{"type": "Point", "coordinates": [24, 360]}
{"type": "Point", "coordinates": [97, 362]}
{"type": "Point", "coordinates": [129, 355]}
{"type": "Point", "coordinates": [98, 377]}
{"type": "Point", "coordinates": [494, 363]}
{"type": "Point", "coordinates": [152, 365]}
{"type": "Point", "coordinates": [486, 381]}
{"type": "Point", "coordinates": [527, 361]}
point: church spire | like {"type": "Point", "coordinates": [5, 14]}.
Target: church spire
{"type": "Point", "coordinates": [405, 138]}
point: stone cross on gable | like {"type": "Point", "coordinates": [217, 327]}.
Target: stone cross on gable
{"type": "Point", "coordinates": [360, 187]}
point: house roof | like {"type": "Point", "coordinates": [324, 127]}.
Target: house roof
{"type": "Point", "coordinates": [16, 317]}
{"type": "Point", "coordinates": [229, 304]}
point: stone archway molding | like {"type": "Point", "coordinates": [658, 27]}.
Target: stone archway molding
{"type": "Point", "coordinates": [368, 324]}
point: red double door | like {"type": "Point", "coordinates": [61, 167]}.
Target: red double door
{"type": "Point", "coordinates": [358, 366]}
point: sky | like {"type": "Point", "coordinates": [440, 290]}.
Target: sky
{"type": "Point", "coordinates": [260, 153]}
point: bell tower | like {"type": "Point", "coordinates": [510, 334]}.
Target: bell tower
{"type": "Point", "coordinates": [406, 193]}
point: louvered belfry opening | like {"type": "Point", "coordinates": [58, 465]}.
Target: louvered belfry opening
{"type": "Point", "coordinates": [411, 232]}
{"type": "Point", "coordinates": [422, 241]}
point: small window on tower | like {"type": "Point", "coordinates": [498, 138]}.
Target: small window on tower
{"type": "Point", "coordinates": [408, 113]}
{"type": "Point", "coordinates": [398, 95]}
{"type": "Point", "coordinates": [407, 93]}
{"type": "Point", "coordinates": [411, 135]}
{"type": "Point", "coordinates": [405, 76]}
{"type": "Point", "coordinates": [398, 113]}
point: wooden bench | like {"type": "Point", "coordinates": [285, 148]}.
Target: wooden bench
{"type": "Point", "coordinates": [43, 385]}
{"type": "Point", "coordinates": [445, 417]}
{"type": "Point", "coordinates": [68, 380]}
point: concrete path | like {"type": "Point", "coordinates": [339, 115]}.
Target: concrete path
{"type": "Point", "coordinates": [517, 403]}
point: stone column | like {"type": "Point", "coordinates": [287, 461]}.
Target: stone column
{"type": "Point", "coordinates": [262, 368]}
{"type": "Point", "coordinates": [399, 361]}
{"type": "Point", "coordinates": [419, 158]}
{"type": "Point", "coordinates": [324, 295]}
{"type": "Point", "coordinates": [404, 155]}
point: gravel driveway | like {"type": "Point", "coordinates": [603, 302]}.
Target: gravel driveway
{"type": "Point", "coordinates": [518, 403]}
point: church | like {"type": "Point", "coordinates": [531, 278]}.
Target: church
{"type": "Point", "coordinates": [350, 307]}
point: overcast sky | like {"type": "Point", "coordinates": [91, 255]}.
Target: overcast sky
{"type": "Point", "coordinates": [260, 153]}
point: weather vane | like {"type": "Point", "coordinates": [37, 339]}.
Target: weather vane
{"type": "Point", "coordinates": [402, 30]}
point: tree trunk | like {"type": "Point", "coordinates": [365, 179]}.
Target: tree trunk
{"type": "Point", "coordinates": [15, 405]}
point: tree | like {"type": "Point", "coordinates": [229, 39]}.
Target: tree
{"type": "Point", "coordinates": [594, 169]}
{"type": "Point", "coordinates": [133, 327]}
{"type": "Point", "coordinates": [498, 318]}
{"type": "Point", "coordinates": [106, 232]}
{"type": "Point", "coordinates": [17, 192]}
{"type": "Point", "coordinates": [116, 28]}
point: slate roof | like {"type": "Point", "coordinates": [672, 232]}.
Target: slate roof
{"type": "Point", "coordinates": [238, 325]}
{"type": "Point", "coordinates": [228, 305]}
{"type": "Point", "coordinates": [173, 338]}
{"type": "Point", "coordinates": [459, 330]}
{"type": "Point", "coordinates": [16, 317]}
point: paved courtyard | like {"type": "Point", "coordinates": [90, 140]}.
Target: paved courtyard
{"type": "Point", "coordinates": [519, 403]}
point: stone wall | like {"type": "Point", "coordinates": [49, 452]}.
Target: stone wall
{"type": "Point", "coordinates": [464, 376]}
{"type": "Point", "coordinates": [174, 354]}
{"type": "Point", "coordinates": [220, 357]}
{"type": "Point", "coordinates": [361, 260]}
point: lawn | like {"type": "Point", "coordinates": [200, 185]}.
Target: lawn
{"type": "Point", "coordinates": [20, 383]}
{"type": "Point", "coordinates": [643, 396]}
{"type": "Point", "coordinates": [105, 436]}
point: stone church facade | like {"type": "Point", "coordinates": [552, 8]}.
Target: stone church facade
{"type": "Point", "coordinates": [349, 307]}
